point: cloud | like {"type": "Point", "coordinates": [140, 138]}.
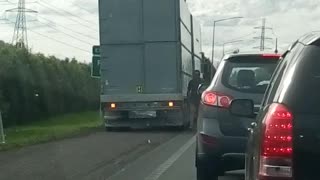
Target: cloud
{"type": "Point", "coordinates": [90, 6]}
{"type": "Point", "coordinates": [61, 23]}
{"type": "Point", "coordinates": [289, 19]}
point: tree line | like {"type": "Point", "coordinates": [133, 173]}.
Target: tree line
{"type": "Point", "coordinates": [34, 87]}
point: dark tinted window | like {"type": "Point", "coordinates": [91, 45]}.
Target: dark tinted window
{"type": "Point", "coordinates": [275, 82]}
{"type": "Point", "coordinates": [249, 74]}
{"type": "Point", "coordinates": [289, 58]}
{"type": "Point", "coordinates": [272, 80]}
{"type": "Point", "coordinates": [301, 83]}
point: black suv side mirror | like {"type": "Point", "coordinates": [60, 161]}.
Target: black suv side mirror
{"type": "Point", "coordinates": [202, 88]}
{"type": "Point", "coordinates": [243, 108]}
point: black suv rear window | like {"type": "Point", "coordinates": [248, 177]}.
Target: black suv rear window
{"type": "Point", "coordinates": [250, 74]}
{"type": "Point", "coordinates": [302, 84]}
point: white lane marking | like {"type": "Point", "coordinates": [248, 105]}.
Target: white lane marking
{"type": "Point", "coordinates": [169, 162]}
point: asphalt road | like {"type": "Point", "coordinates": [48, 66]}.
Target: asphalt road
{"type": "Point", "coordinates": [143, 155]}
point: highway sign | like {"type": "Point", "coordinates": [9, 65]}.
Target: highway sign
{"type": "Point", "coordinates": [95, 66]}
{"type": "Point", "coordinates": [96, 50]}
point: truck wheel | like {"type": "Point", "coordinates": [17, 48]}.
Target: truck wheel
{"type": "Point", "coordinates": [181, 119]}
{"type": "Point", "coordinates": [185, 118]}
{"type": "Point", "coordinates": [186, 115]}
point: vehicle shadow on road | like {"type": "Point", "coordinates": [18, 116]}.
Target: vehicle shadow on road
{"type": "Point", "coordinates": [153, 130]}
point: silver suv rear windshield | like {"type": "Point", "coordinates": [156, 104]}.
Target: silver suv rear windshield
{"type": "Point", "coordinates": [249, 74]}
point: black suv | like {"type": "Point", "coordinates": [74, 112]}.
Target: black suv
{"type": "Point", "coordinates": [221, 136]}
{"type": "Point", "coordinates": [285, 138]}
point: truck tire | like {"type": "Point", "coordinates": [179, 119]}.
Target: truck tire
{"type": "Point", "coordinates": [186, 115]}
{"type": "Point", "coordinates": [181, 118]}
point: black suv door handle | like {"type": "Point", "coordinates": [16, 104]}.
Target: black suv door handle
{"type": "Point", "coordinates": [252, 126]}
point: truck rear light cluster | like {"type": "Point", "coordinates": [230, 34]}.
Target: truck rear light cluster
{"type": "Point", "coordinates": [170, 104]}
{"type": "Point", "coordinates": [142, 105]}
{"type": "Point", "coordinates": [113, 105]}
{"type": "Point", "coordinates": [212, 98]}
{"type": "Point", "coordinates": [276, 148]}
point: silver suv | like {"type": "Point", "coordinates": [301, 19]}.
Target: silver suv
{"type": "Point", "coordinates": [221, 136]}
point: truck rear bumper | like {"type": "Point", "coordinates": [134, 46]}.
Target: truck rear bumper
{"type": "Point", "coordinates": [141, 97]}
{"type": "Point", "coordinates": [143, 123]}
{"type": "Point", "coordinates": [139, 114]}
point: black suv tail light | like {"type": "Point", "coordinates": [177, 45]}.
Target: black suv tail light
{"type": "Point", "coordinates": [276, 147]}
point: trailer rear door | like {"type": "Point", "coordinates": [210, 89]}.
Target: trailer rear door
{"type": "Point", "coordinates": [122, 69]}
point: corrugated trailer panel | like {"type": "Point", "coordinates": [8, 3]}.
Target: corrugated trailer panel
{"type": "Point", "coordinates": [186, 61]}
{"type": "Point", "coordinates": [186, 57]}
{"type": "Point", "coordinates": [160, 20]}
{"type": "Point", "coordinates": [121, 72]}
{"type": "Point", "coordinates": [161, 75]}
{"type": "Point", "coordinates": [161, 50]}
{"type": "Point", "coordinates": [186, 46]}
{"type": "Point", "coordinates": [197, 63]}
{"type": "Point", "coordinates": [186, 38]}
{"type": "Point", "coordinates": [197, 37]}
{"type": "Point", "coordinates": [146, 62]}
{"type": "Point", "coordinates": [197, 43]}
{"type": "Point", "coordinates": [120, 21]}
{"type": "Point", "coordinates": [133, 35]}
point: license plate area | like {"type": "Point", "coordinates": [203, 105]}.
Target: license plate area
{"type": "Point", "coordinates": [142, 114]}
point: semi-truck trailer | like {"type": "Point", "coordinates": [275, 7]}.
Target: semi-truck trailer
{"type": "Point", "coordinates": [149, 50]}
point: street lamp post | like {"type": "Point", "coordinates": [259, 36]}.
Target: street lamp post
{"type": "Point", "coordinates": [214, 29]}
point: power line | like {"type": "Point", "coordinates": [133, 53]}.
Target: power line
{"type": "Point", "coordinates": [82, 8]}
{"type": "Point", "coordinates": [53, 39]}
{"type": "Point", "coordinates": [67, 12]}
{"type": "Point", "coordinates": [58, 12]}
{"type": "Point", "coordinates": [274, 33]}
{"type": "Point", "coordinates": [7, 2]}
{"type": "Point", "coordinates": [71, 36]}
{"type": "Point", "coordinates": [53, 27]}
{"type": "Point", "coordinates": [61, 42]}
{"type": "Point", "coordinates": [2, 17]}
{"type": "Point", "coordinates": [237, 38]}
{"type": "Point", "coordinates": [70, 29]}
{"type": "Point", "coordinates": [73, 20]}
{"type": "Point", "coordinates": [241, 37]}
{"type": "Point", "coordinates": [7, 23]}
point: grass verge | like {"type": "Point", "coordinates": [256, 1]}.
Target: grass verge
{"type": "Point", "coordinates": [50, 129]}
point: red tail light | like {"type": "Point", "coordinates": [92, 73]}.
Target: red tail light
{"type": "Point", "coordinates": [208, 140]}
{"type": "Point", "coordinates": [276, 148]}
{"type": "Point", "coordinates": [271, 55]}
{"type": "Point", "coordinates": [216, 99]}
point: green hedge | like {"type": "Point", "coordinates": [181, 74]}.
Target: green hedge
{"type": "Point", "coordinates": [33, 86]}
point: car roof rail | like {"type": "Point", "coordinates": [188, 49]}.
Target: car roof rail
{"type": "Point", "coordinates": [310, 38]}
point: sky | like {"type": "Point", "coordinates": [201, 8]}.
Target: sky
{"type": "Point", "coordinates": [69, 28]}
